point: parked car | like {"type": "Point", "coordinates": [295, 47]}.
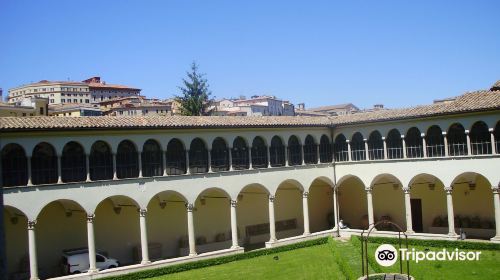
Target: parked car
{"type": "Point", "coordinates": [77, 261]}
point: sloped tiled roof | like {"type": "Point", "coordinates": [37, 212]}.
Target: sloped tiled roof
{"type": "Point", "coordinates": [143, 122]}
{"type": "Point", "coordinates": [470, 102]}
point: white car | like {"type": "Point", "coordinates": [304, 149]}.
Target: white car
{"type": "Point", "coordinates": [77, 261]}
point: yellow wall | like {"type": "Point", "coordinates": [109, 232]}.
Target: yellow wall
{"type": "Point", "coordinates": [352, 202]}
{"type": "Point", "coordinates": [252, 209]}
{"type": "Point", "coordinates": [288, 205]}
{"type": "Point", "coordinates": [388, 201]}
{"type": "Point", "coordinates": [16, 240]}
{"type": "Point", "coordinates": [320, 205]}
{"type": "Point", "coordinates": [214, 217]}
{"type": "Point", "coordinates": [433, 202]}
{"type": "Point", "coordinates": [471, 203]}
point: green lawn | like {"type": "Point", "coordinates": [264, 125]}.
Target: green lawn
{"type": "Point", "coordinates": [339, 260]}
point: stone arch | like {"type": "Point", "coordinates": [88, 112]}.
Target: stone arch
{"type": "Point", "coordinates": [310, 150]}
{"type": "Point", "coordinates": [14, 165]}
{"type": "Point", "coordinates": [320, 202]}
{"type": "Point", "coordinates": [152, 158]}
{"type": "Point", "coordinates": [176, 157]}
{"type": "Point", "coordinates": [16, 236]}
{"type": "Point", "coordinates": [388, 201]}
{"type": "Point", "coordinates": [101, 161]}
{"type": "Point", "coordinates": [198, 156]}
{"type": "Point", "coordinates": [288, 208]}
{"type": "Point", "coordinates": [259, 153]}
{"type": "Point", "coordinates": [352, 202]}
{"type": "Point", "coordinates": [220, 155]}
{"type": "Point", "coordinates": [127, 160]}
{"type": "Point", "coordinates": [253, 215]}
{"type": "Point", "coordinates": [73, 163]}
{"type": "Point", "coordinates": [375, 146]}
{"type": "Point", "coordinates": [358, 147]}
{"type": "Point", "coordinates": [457, 140]}
{"type": "Point", "coordinates": [340, 148]}
{"type": "Point", "coordinates": [480, 139]}
{"type": "Point", "coordinates": [44, 164]}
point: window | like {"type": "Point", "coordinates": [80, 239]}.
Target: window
{"type": "Point", "coordinates": [240, 154]}
{"type": "Point", "coordinates": [152, 159]}
{"type": "Point", "coordinates": [127, 160]}
{"type": "Point", "coordinates": [198, 156]}
{"type": "Point", "coordinates": [41, 111]}
{"type": "Point", "coordinates": [414, 145]}
{"type": "Point", "coordinates": [52, 101]}
{"type": "Point", "coordinates": [277, 152]}
{"type": "Point", "coordinates": [87, 101]}
{"type": "Point", "coordinates": [358, 147]}
{"type": "Point", "coordinates": [24, 114]}
{"type": "Point", "coordinates": [325, 149]}
{"type": "Point", "coordinates": [259, 153]}
{"type": "Point", "coordinates": [101, 161]}
{"type": "Point", "coordinates": [14, 166]}
{"type": "Point", "coordinates": [73, 163]}
{"type": "Point", "coordinates": [375, 146]}
{"type": "Point", "coordinates": [310, 150]}
{"type": "Point", "coordinates": [457, 140]}
{"type": "Point", "coordinates": [175, 158]}
{"type": "Point", "coordinates": [75, 100]}
{"type": "Point", "coordinates": [480, 139]}
{"type": "Point", "coordinates": [219, 155]}
{"type": "Point", "coordinates": [294, 151]}
{"type": "Point", "coordinates": [44, 164]}
{"type": "Point", "coordinates": [63, 100]}
{"type": "Point", "coordinates": [99, 258]}
{"type": "Point", "coordinates": [394, 144]}
{"type": "Point", "coordinates": [435, 142]}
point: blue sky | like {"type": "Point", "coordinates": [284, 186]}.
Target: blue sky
{"type": "Point", "coordinates": [398, 53]}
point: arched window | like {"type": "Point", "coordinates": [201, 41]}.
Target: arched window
{"type": "Point", "coordinates": [434, 142]}
{"type": "Point", "coordinates": [497, 137]}
{"type": "Point", "coordinates": [198, 156]}
{"type": "Point", "coordinates": [127, 160]}
{"type": "Point", "coordinates": [413, 141]}
{"type": "Point", "coordinates": [310, 150]}
{"type": "Point", "coordinates": [277, 152]}
{"type": "Point", "coordinates": [341, 148]}
{"type": "Point", "coordinates": [14, 166]}
{"type": "Point", "coordinates": [457, 140]}
{"type": "Point", "coordinates": [152, 162]}
{"type": "Point", "coordinates": [294, 151]}
{"type": "Point", "coordinates": [240, 154]}
{"type": "Point", "coordinates": [480, 140]}
{"type": "Point", "coordinates": [44, 164]}
{"type": "Point", "coordinates": [259, 153]}
{"type": "Point", "coordinates": [358, 147]}
{"type": "Point", "coordinates": [394, 144]}
{"type": "Point", "coordinates": [176, 158]}
{"type": "Point", "coordinates": [220, 155]}
{"type": "Point", "coordinates": [73, 166]}
{"type": "Point", "coordinates": [375, 146]}
{"type": "Point", "coordinates": [325, 149]}
{"type": "Point", "coordinates": [101, 161]}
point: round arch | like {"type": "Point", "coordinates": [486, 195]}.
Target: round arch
{"type": "Point", "coordinates": [44, 164]}
{"type": "Point", "coordinates": [259, 153]}
{"type": "Point", "coordinates": [175, 157]}
{"type": "Point", "coordinates": [388, 188]}
{"type": "Point", "coordinates": [101, 161]}
{"type": "Point", "coordinates": [375, 146]}
{"type": "Point", "coordinates": [219, 155]}
{"type": "Point", "coordinates": [127, 160]}
{"type": "Point", "coordinates": [310, 150]}
{"type": "Point", "coordinates": [352, 203]}
{"type": "Point", "coordinates": [16, 236]}
{"type": "Point", "coordinates": [341, 148]}
{"type": "Point", "coordinates": [358, 147]}
{"type": "Point", "coordinates": [294, 151]}
{"type": "Point", "coordinates": [14, 165]}
{"type": "Point", "coordinates": [239, 153]}
{"type": "Point", "coordinates": [480, 139]}
{"type": "Point", "coordinates": [277, 152]}
{"type": "Point", "coordinates": [152, 158]}
{"type": "Point", "coordinates": [73, 163]}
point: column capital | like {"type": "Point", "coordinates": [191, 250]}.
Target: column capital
{"type": "Point", "coordinates": [448, 190]}
{"type": "Point", "coordinates": [368, 189]}
{"type": "Point", "coordinates": [31, 224]}
{"type": "Point", "coordinates": [402, 136]}
{"type": "Point", "coordinates": [347, 141]}
{"type": "Point", "coordinates": [143, 212]}
{"type": "Point", "coordinates": [422, 135]}
{"type": "Point", "coordinates": [272, 198]}
{"type": "Point", "coordinates": [383, 138]}
{"type": "Point", "coordinates": [190, 207]}
{"type": "Point", "coordinates": [443, 133]}
{"type": "Point", "coordinates": [233, 202]}
{"type": "Point", "coordinates": [491, 130]}
{"type": "Point", "coordinates": [90, 218]}
{"type": "Point", "coordinates": [495, 189]}
{"type": "Point", "coordinates": [365, 140]}
{"type": "Point", "coordinates": [305, 194]}
{"type": "Point", "coordinates": [406, 190]}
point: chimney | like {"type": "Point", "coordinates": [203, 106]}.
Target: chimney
{"type": "Point", "coordinates": [301, 106]}
{"type": "Point", "coordinates": [378, 106]}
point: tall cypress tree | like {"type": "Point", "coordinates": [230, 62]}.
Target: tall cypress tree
{"type": "Point", "coordinates": [195, 95]}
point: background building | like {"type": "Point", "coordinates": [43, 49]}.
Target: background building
{"type": "Point", "coordinates": [136, 106]}
{"type": "Point", "coordinates": [25, 107]}
{"type": "Point", "coordinates": [255, 106]}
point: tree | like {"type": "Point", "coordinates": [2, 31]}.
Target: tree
{"type": "Point", "coordinates": [195, 95]}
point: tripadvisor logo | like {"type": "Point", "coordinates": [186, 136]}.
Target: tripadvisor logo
{"type": "Point", "coordinates": [387, 255]}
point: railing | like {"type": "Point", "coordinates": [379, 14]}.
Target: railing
{"type": "Point", "coordinates": [376, 154]}
{"type": "Point", "coordinates": [414, 152]}
{"type": "Point", "coordinates": [457, 149]}
{"type": "Point", "coordinates": [358, 155]}
{"type": "Point", "coordinates": [176, 167]}
{"type": "Point", "coordinates": [395, 152]}
{"type": "Point", "coordinates": [342, 156]}
{"type": "Point", "coordinates": [435, 150]}
{"type": "Point", "coordinates": [480, 148]}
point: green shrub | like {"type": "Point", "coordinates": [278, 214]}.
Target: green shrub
{"type": "Point", "coordinates": [216, 261]}
{"type": "Point", "coordinates": [341, 262]}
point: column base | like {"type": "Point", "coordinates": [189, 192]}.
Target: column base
{"type": "Point", "coordinates": [237, 247]}
{"type": "Point", "coordinates": [146, 262]}
{"type": "Point", "coordinates": [193, 254]}
{"type": "Point", "coordinates": [453, 236]}
{"type": "Point", "coordinates": [92, 271]}
{"type": "Point", "coordinates": [31, 278]}
{"type": "Point", "coordinates": [269, 244]}
{"type": "Point", "coordinates": [410, 232]}
{"type": "Point", "coordinates": [306, 233]}
{"type": "Point", "coordinates": [495, 239]}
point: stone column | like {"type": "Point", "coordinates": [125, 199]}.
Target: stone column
{"type": "Point", "coordinates": [91, 243]}
{"type": "Point", "coordinates": [385, 147]}
{"type": "Point", "coordinates": [492, 137]}
{"type": "Point", "coordinates": [139, 162]}
{"type": "Point", "coordinates": [286, 156]}
{"type": "Point", "coordinates": [59, 170]}
{"type": "Point", "coordinates": [269, 156]}
{"type": "Point", "coordinates": [367, 154]}
{"type": "Point", "coordinates": [369, 201]}
{"type": "Point", "coordinates": [210, 161]}
{"type": "Point", "coordinates": [144, 236]}
{"type": "Point", "coordinates": [187, 163]}
{"type": "Point", "coordinates": [32, 250]}
{"type": "Point", "coordinates": [234, 226]}
{"type": "Point", "coordinates": [424, 145]}
{"type": "Point", "coordinates": [318, 153]}
{"type": "Point", "coordinates": [403, 140]}
{"type": "Point", "coordinates": [115, 176]}
{"type": "Point", "coordinates": [231, 159]}
{"type": "Point", "coordinates": [349, 149]}
{"type": "Point", "coordinates": [446, 148]}
{"type": "Point", "coordinates": [451, 216]}
{"type": "Point", "coordinates": [250, 158]}
{"type": "Point", "coordinates": [496, 203]}
{"type": "Point", "coordinates": [192, 244]}
{"type": "Point", "coordinates": [467, 134]}
{"type": "Point", "coordinates": [305, 211]}
{"type": "Point", "coordinates": [272, 223]}
{"type": "Point", "coordinates": [30, 183]}
{"type": "Point", "coordinates": [302, 154]}
{"type": "Point", "coordinates": [87, 167]}
{"type": "Point", "coordinates": [409, 222]}
{"type": "Point", "coordinates": [335, 211]}
{"type": "Point", "coordinates": [164, 162]}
